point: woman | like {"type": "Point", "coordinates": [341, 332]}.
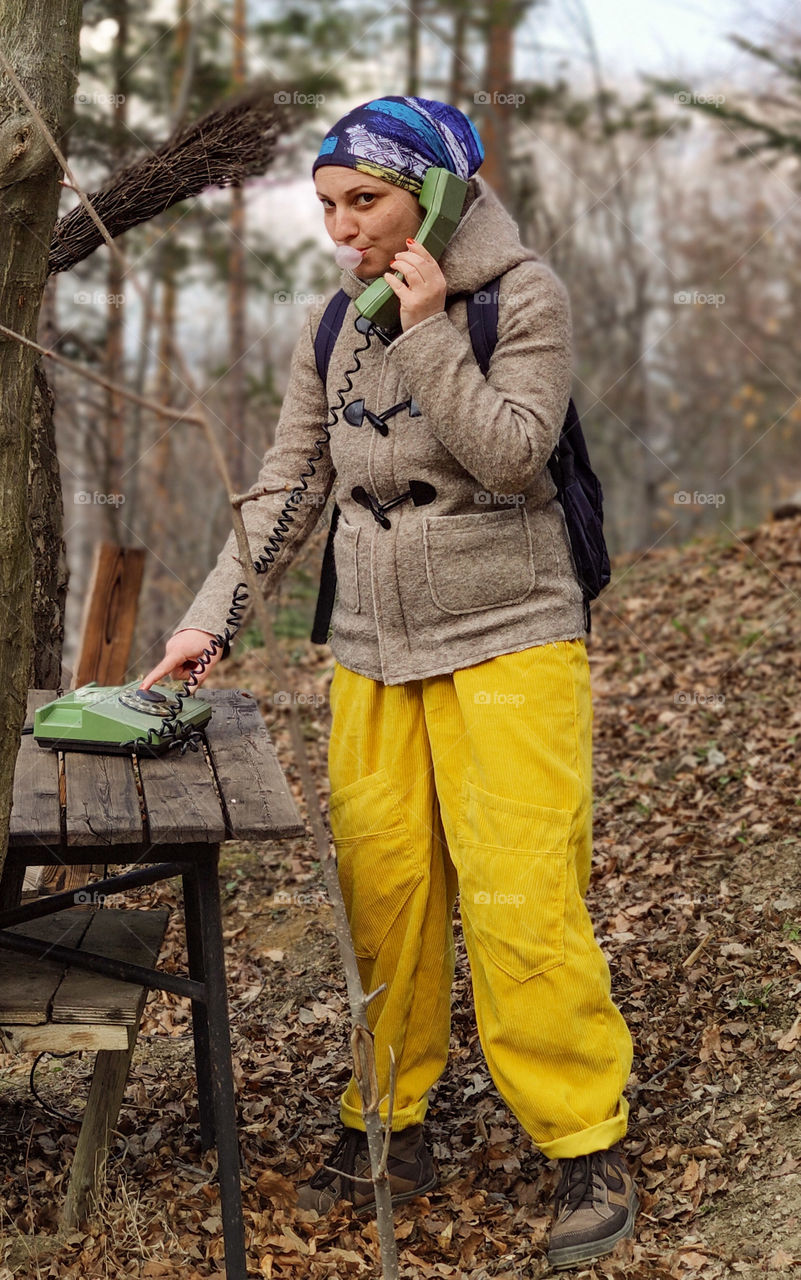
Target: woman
{"type": "Point", "coordinates": [461, 743]}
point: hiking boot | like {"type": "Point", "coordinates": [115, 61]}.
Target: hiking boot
{"type": "Point", "coordinates": [409, 1165]}
{"type": "Point", "coordinates": [595, 1206]}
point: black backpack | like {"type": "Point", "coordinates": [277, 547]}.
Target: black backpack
{"type": "Point", "coordinates": [577, 486]}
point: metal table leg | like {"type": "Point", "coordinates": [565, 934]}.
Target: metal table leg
{"type": "Point", "coordinates": [200, 1021]}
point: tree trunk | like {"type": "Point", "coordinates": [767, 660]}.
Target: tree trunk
{"type": "Point", "coordinates": [40, 39]}
{"type": "Point", "coordinates": [500, 17]}
{"type": "Point", "coordinates": [46, 515]}
{"type": "Point", "coordinates": [413, 49]}
{"type": "Point", "coordinates": [160, 487]}
{"type": "Point", "coordinates": [237, 286]}
{"type": "Point", "coordinates": [115, 301]}
{"type": "Point", "coordinates": [47, 538]}
{"type": "Point", "coordinates": [136, 517]}
{"type": "Point", "coordinates": [456, 92]}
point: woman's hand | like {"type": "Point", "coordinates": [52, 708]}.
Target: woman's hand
{"type": "Point", "coordinates": [423, 294]}
{"type": "Point", "coordinates": [179, 654]}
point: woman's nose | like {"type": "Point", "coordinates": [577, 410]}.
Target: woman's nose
{"type": "Point", "coordinates": [346, 227]}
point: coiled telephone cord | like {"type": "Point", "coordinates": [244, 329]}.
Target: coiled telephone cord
{"type": "Point", "coordinates": [183, 737]}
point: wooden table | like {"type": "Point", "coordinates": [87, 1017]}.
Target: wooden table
{"type": "Point", "coordinates": [169, 815]}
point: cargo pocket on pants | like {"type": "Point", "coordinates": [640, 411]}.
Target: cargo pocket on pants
{"type": "Point", "coordinates": [376, 862]}
{"type": "Point", "coordinates": [512, 864]}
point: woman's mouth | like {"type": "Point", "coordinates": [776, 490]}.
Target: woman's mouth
{"type": "Point", "coordinates": [347, 255]}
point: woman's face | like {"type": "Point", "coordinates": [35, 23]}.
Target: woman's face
{"type": "Point", "coordinates": [367, 213]}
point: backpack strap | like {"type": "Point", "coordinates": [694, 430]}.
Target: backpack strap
{"type": "Point", "coordinates": [328, 586]}
{"type": "Point", "coordinates": [328, 331]}
{"type": "Point", "coordinates": [482, 322]}
{"type": "Point", "coordinates": [324, 340]}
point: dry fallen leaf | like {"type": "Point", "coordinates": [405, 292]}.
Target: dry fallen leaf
{"type": "Point", "coordinates": [780, 1260]}
{"type": "Point", "coordinates": [790, 1039]}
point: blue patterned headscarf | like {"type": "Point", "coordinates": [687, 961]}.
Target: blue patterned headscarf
{"type": "Point", "coordinates": [399, 138]}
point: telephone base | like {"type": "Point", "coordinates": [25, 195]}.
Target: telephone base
{"type": "Point", "coordinates": [120, 720]}
{"type": "Point", "coordinates": [104, 748]}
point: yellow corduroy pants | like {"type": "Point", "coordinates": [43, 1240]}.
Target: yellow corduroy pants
{"type": "Point", "coordinates": [480, 780]}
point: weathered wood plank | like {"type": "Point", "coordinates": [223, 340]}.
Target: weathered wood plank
{"type": "Point", "coordinates": [102, 1109]}
{"type": "Point", "coordinates": [62, 1038]}
{"type": "Point", "coordinates": [256, 794]}
{"type": "Point", "coordinates": [102, 800]}
{"type": "Point", "coordinates": [180, 799]}
{"type": "Point", "coordinates": [135, 936]}
{"type": "Point", "coordinates": [109, 618]}
{"type": "Point", "coordinates": [27, 986]}
{"type": "Point", "coordinates": [32, 878]}
{"type": "Point", "coordinates": [35, 812]}
{"type": "Point", "coordinates": [62, 876]}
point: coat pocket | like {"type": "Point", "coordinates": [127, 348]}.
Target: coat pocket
{"type": "Point", "coordinates": [512, 858]}
{"type": "Point", "coordinates": [480, 561]}
{"type": "Point", "coordinates": [376, 862]}
{"type": "Point", "coordinates": [346, 561]}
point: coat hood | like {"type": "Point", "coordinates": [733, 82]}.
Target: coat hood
{"type": "Point", "coordinates": [486, 243]}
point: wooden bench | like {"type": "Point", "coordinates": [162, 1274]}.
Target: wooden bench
{"type": "Point", "coordinates": [47, 1006]}
{"type": "Point", "coordinates": [166, 817]}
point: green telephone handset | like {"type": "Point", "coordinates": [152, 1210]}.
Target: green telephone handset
{"type": "Point", "coordinates": [442, 196]}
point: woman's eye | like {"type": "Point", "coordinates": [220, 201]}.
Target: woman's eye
{"type": "Point", "coordinates": [370, 195]}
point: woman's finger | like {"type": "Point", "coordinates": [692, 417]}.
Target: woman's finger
{"type": "Point", "coordinates": [394, 282]}
{"type": "Point", "coordinates": [414, 247]}
{"type": "Point", "coordinates": [407, 267]}
{"type": "Point", "coordinates": [164, 668]}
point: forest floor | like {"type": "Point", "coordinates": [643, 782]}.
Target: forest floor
{"type": "Point", "coordinates": [696, 901]}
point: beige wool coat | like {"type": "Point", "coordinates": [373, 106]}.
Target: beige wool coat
{"type": "Point", "coordinates": [486, 566]}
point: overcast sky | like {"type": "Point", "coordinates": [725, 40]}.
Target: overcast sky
{"type": "Point", "coordinates": [656, 35]}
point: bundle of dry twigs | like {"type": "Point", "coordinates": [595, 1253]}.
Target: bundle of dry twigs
{"type": "Point", "coordinates": [232, 142]}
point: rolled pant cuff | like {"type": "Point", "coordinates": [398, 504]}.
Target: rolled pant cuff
{"type": "Point", "coordinates": [401, 1119]}
{"type": "Point", "coordinates": [597, 1138]}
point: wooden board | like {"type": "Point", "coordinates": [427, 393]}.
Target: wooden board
{"type": "Point", "coordinates": [109, 618]}
{"type": "Point", "coordinates": [99, 1121]}
{"type": "Point", "coordinates": [27, 986]}
{"type": "Point", "coordinates": [135, 936]}
{"type": "Point", "coordinates": [53, 1038]}
{"type": "Point", "coordinates": [35, 992]}
{"type": "Point", "coordinates": [30, 884]}
{"type": "Point", "coordinates": [35, 812]}
{"type": "Point", "coordinates": [102, 800]}
{"type": "Point", "coordinates": [180, 799]}
{"type": "Point", "coordinates": [256, 793]}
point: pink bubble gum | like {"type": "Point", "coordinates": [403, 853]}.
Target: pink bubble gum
{"type": "Point", "coordinates": [346, 256]}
